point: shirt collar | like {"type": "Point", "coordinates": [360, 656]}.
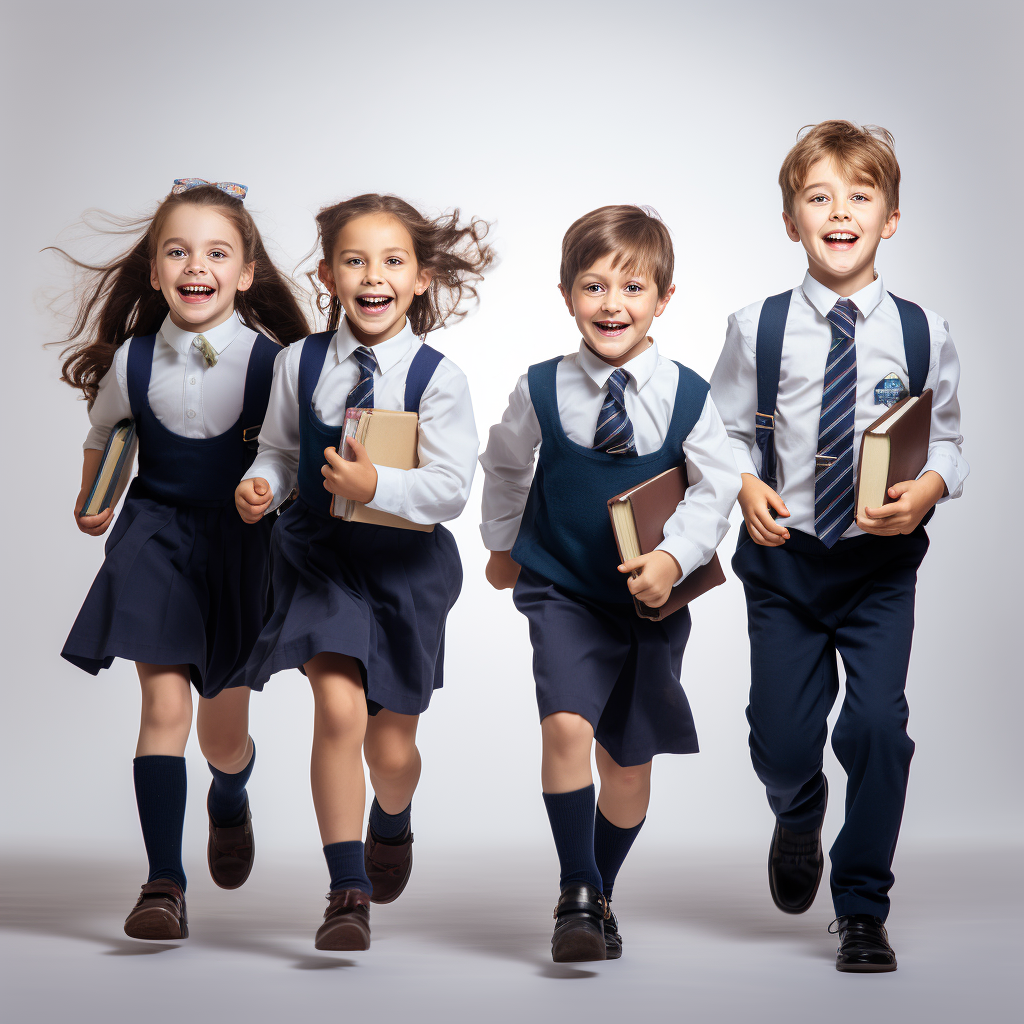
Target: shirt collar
{"type": "Point", "coordinates": [387, 353]}
{"type": "Point", "coordinates": [641, 367]}
{"type": "Point", "coordinates": [219, 337]}
{"type": "Point", "coordinates": [823, 299]}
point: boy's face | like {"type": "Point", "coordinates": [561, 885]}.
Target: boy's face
{"type": "Point", "coordinates": [614, 310]}
{"type": "Point", "coordinates": [839, 223]}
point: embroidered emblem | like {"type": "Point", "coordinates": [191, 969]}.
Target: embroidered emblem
{"type": "Point", "coordinates": [889, 390]}
{"type": "Point", "coordinates": [206, 349]}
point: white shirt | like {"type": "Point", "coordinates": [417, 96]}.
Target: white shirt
{"type": "Point", "coordinates": [435, 492]}
{"type": "Point", "coordinates": [187, 396]}
{"type": "Point", "coordinates": [581, 381]}
{"type": "Point", "coordinates": [880, 351]}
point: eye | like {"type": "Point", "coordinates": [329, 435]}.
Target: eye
{"type": "Point", "coordinates": [393, 261]}
{"type": "Point", "coordinates": [176, 252]}
{"type": "Point", "coordinates": [592, 289]}
{"type": "Point", "coordinates": [633, 288]}
{"type": "Point", "coordinates": [217, 253]}
{"type": "Point", "coordinates": [860, 197]}
{"type": "Point", "coordinates": [819, 199]}
{"type": "Point", "coordinates": [354, 261]}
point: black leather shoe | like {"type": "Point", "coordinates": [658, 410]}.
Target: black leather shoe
{"type": "Point", "coordinates": [579, 925]}
{"type": "Point", "coordinates": [795, 865]}
{"type": "Point", "coordinates": [612, 938]}
{"type": "Point", "coordinates": [863, 945]}
{"type": "Point", "coordinates": [230, 852]}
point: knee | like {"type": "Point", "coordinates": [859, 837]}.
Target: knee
{"type": "Point", "coordinates": [565, 732]}
{"type": "Point", "coordinates": [340, 713]}
{"type": "Point", "coordinates": [882, 729]}
{"type": "Point", "coordinates": [390, 760]}
{"type": "Point", "coordinates": [219, 750]}
{"type": "Point", "coordinates": [167, 712]}
{"type": "Point", "coordinates": [787, 763]}
{"type": "Point", "coordinates": [630, 780]}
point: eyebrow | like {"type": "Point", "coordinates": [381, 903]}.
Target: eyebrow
{"type": "Point", "coordinates": [826, 185]}
{"type": "Point", "coordinates": [362, 252]}
{"type": "Point", "coordinates": [215, 241]}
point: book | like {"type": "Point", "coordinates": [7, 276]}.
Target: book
{"type": "Point", "coordinates": [892, 449]}
{"type": "Point", "coordinates": [115, 469]}
{"type": "Point", "coordinates": [391, 439]}
{"type": "Point", "coordinates": [638, 522]}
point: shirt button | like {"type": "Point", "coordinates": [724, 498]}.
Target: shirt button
{"type": "Point", "coordinates": [191, 414]}
{"type": "Point", "coordinates": [191, 380]}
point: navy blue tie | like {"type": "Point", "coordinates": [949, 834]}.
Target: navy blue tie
{"type": "Point", "coordinates": [361, 396]}
{"type": "Point", "coordinates": [833, 475]}
{"type": "Point", "coordinates": [614, 433]}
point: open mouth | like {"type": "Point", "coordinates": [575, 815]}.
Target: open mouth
{"type": "Point", "coordinates": [610, 328]}
{"type": "Point", "coordinates": [840, 240]}
{"type": "Point", "coordinates": [195, 292]}
{"type": "Point", "coordinates": [374, 304]}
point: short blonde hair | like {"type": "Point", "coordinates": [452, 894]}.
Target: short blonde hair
{"type": "Point", "coordinates": [859, 153]}
{"type": "Point", "coordinates": [636, 234]}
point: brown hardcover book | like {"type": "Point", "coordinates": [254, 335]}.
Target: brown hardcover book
{"type": "Point", "coordinates": [638, 522]}
{"type": "Point", "coordinates": [115, 469]}
{"type": "Point", "coordinates": [390, 439]}
{"type": "Point", "coordinates": [892, 449]}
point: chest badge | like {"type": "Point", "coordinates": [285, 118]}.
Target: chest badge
{"type": "Point", "coordinates": [889, 390]}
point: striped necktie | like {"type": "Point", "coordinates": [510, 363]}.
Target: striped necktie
{"type": "Point", "coordinates": [361, 396]}
{"type": "Point", "coordinates": [614, 431]}
{"type": "Point", "coordinates": [833, 476]}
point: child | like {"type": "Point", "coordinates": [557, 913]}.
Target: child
{"type": "Point", "coordinates": [361, 608]}
{"type": "Point", "coordinates": [606, 418]}
{"type": "Point", "coordinates": [167, 336]}
{"type": "Point", "coordinates": [801, 375]}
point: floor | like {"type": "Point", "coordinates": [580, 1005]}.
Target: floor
{"type": "Point", "coordinates": [468, 941]}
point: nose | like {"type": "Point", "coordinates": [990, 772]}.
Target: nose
{"type": "Point", "coordinates": [611, 303]}
{"type": "Point", "coordinates": [374, 274]}
{"type": "Point", "coordinates": [195, 264]}
{"type": "Point", "coordinates": [840, 210]}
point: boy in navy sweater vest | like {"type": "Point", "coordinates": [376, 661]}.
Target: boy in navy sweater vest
{"type": "Point", "coordinates": [606, 418]}
{"type": "Point", "coordinates": [799, 379]}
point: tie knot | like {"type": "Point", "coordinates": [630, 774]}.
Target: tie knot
{"type": "Point", "coordinates": [366, 359]}
{"type": "Point", "coordinates": [617, 382]}
{"type": "Point", "coordinates": [843, 315]}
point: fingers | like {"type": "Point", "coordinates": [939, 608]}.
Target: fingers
{"type": "Point", "coordinates": [260, 486]}
{"type": "Point", "coordinates": [775, 501]}
{"type": "Point", "coordinates": [333, 458]}
{"type": "Point", "coordinates": [358, 450]}
{"type": "Point", "coordinates": [95, 525]}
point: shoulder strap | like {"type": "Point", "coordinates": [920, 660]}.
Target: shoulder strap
{"type": "Point", "coordinates": [917, 342]}
{"type": "Point", "coordinates": [543, 393]}
{"type": "Point", "coordinates": [259, 375]}
{"type": "Point", "coordinates": [691, 394]}
{"type": "Point", "coordinates": [424, 363]}
{"type": "Point", "coordinates": [140, 369]}
{"type": "Point", "coordinates": [311, 362]}
{"type": "Point", "coordinates": [771, 330]}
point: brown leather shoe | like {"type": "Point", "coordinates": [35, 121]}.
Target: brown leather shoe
{"type": "Point", "coordinates": [388, 865]}
{"type": "Point", "coordinates": [230, 852]}
{"type": "Point", "coordinates": [346, 921]}
{"type": "Point", "coordinates": [159, 912]}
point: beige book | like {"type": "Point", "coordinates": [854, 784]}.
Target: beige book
{"type": "Point", "coordinates": [391, 439]}
{"type": "Point", "coordinates": [115, 469]}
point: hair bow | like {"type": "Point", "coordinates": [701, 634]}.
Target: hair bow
{"type": "Point", "coordinates": [231, 188]}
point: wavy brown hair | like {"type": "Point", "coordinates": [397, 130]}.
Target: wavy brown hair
{"type": "Point", "coordinates": [119, 300]}
{"type": "Point", "coordinates": [454, 254]}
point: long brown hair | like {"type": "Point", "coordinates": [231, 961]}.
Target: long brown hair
{"type": "Point", "coordinates": [455, 256]}
{"type": "Point", "coordinates": [119, 301]}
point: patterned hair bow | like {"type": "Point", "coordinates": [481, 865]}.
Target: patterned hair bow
{"type": "Point", "coordinates": [231, 188]}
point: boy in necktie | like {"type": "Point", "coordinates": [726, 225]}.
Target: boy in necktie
{"type": "Point", "coordinates": [801, 376]}
{"type": "Point", "coordinates": [606, 418]}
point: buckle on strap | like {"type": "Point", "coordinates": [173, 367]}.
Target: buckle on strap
{"type": "Point", "coordinates": [764, 421]}
{"type": "Point", "coordinates": [251, 435]}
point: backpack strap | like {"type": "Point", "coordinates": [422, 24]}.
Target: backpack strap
{"type": "Point", "coordinates": [424, 363]}
{"type": "Point", "coordinates": [771, 330]}
{"type": "Point", "coordinates": [259, 375]}
{"type": "Point", "coordinates": [541, 379]}
{"type": "Point", "coordinates": [311, 362]}
{"type": "Point", "coordinates": [917, 342]}
{"type": "Point", "coordinates": [139, 370]}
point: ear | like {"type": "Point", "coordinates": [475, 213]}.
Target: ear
{"type": "Point", "coordinates": [245, 281]}
{"type": "Point", "coordinates": [791, 230]}
{"type": "Point", "coordinates": [154, 280]}
{"type": "Point", "coordinates": [325, 275]}
{"type": "Point", "coordinates": [423, 279]}
{"type": "Point", "coordinates": [890, 225]}
{"type": "Point", "coordinates": [663, 301]}
{"type": "Point", "coordinates": [568, 300]}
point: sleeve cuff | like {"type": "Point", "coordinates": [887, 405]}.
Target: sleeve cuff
{"type": "Point", "coordinates": [500, 534]}
{"type": "Point", "coordinates": [390, 493]}
{"type": "Point", "coordinates": [685, 552]}
{"type": "Point", "coordinates": [946, 467]}
{"type": "Point", "coordinates": [744, 460]}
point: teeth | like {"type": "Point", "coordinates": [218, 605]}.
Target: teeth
{"type": "Point", "coordinates": [840, 236]}
{"type": "Point", "coordinates": [374, 300]}
{"type": "Point", "coordinates": [196, 289]}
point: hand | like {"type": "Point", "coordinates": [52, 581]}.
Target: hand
{"type": "Point", "coordinates": [501, 571]}
{"type": "Point", "coordinates": [357, 480]}
{"type": "Point", "coordinates": [912, 500]}
{"type": "Point", "coordinates": [756, 499]}
{"type": "Point", "coordinates": [252, 499]}
{"type": "Point", "coordinates": [94, 526]}
{"type": "Point", "coordinates": [658, 572]}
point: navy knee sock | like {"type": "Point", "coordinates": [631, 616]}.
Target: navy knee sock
{"type": "Point", "coordinates": [611, 844]}
{"type": "Point", "coordinates": [160, 794]}
{"type": "Point", "coordinates": [345, 863]}
{"type": "Point", "coordinates": [388, 826]}
{"type": "Point", "coordinates": [226, 802]}
{"type": "Point", "coordinates": [572, 824]}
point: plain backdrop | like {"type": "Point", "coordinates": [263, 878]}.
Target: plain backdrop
{"type": "Point", "coordinates": [527, 115]}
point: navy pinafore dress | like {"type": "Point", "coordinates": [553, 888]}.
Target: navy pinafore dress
{"type": "Point", "coordinates": [592, 654]}
{"type": "Point", "coordinates": [378, 594]}
{"type": "Point", "coordinates": [184, 580]}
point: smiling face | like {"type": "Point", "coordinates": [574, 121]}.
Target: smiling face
{"type": "Point", "coordinates": [614, 309]}
{"type": "Point", "coordinates": [198, 266]}
{"type": "Point", "coordinates": [839, 223]}
{"type": "Point", "coordinates": [375, 276]}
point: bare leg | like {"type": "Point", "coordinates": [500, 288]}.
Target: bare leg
{"type": "Point", "coordinates": [565, 761]}
{"type": "Point", "coordinates": [166, 710]}
{"type": "Point", "coordinates": [222, 725]}
{"type": "Point", "coordinates": [625, 792]}
{"type": "Point", "coordinates": [393, 758]}
{"type": "Point", "coordinates": [336, 765]}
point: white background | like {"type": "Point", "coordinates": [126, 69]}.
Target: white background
{"type": "Point", "coordinates": [527, 115]}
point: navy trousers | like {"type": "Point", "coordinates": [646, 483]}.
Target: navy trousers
{"type": "Point", "coordinates": [805, 603]}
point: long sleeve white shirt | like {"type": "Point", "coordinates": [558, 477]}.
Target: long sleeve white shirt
{"type": "Point", "coordinates": [435, 492]}
{"type": "Point", "coordinates": [880, 352]}
{"type": "Point", "coordinates": [701, 520]}
{"type": "Point", "coordinates": [186, 396]}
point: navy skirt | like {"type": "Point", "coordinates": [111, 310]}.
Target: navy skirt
{"type": "Point", "coordinates": [375, 593]}
{"type": "Point", "coordinates": [178, 586]}
{"type": "Point", "coordinates": [618, 671]}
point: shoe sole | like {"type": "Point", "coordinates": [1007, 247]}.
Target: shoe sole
{"type": "Point", "coordinates": [157, 924]}
{"type": "Point", "coordinates": [343, 939]}
{"type": "Point", "coordinates": [865, 968]}
{"type": "Point", "coordinates": [577, 944]}
{"type": "Point", "coordinates": [803, 908]}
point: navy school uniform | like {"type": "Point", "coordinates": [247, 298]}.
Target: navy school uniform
{"type": "Point", "coordinates": [184, 580]}
{"type": "Point", "coordinates": [807, 601]}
